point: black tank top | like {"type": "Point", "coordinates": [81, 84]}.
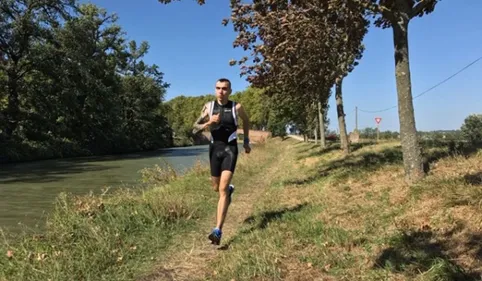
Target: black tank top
{"type": "Point", "coordinates": [225, 130]}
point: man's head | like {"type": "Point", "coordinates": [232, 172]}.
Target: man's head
{"type": "Point", "coordinates": [223, 89]}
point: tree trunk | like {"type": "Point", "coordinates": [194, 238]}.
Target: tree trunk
{"type": "Point", "coordinates": [322, 126]}
{"type": "Point", "coordinates": [12, 110]}
{"type": "Point", "coordinates": [316, 132]}
{"type": "Point", "coordinates": [412, 154]}
{"type": "Point", "coordinates": [341, 117]}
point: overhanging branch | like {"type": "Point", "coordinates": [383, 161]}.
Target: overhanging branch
{"type": "Point", "coordinates": [420, 6]}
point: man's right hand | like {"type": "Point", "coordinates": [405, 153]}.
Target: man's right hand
{"type": "Point", "coordinates": [214, 119]}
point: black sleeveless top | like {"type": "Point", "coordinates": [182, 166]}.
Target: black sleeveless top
{"type": "Point", "coordinates": [225, 130]}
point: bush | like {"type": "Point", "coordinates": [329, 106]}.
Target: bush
{"type": "Point", "coordinates": [472, 128]}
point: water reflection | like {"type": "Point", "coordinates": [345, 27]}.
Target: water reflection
{"type": "Point", "coordinates": [27, 190]}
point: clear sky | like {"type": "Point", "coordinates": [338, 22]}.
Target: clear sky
{"type": "Point", "coordinates": [193, 48]}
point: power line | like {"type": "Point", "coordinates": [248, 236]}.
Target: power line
{"type": "Point", "coordinates": [428, 90]}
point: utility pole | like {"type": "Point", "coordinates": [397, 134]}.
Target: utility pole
{"type": "Point", "coordinates": [356, 118]}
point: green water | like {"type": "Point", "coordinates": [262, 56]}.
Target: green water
{"type": "Point", "coordinates": [28, 190]}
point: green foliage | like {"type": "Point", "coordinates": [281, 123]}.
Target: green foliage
{"type": "Point", "coordinates": [371, 133]}
{"type": "Point", "coordinates": [73, 86]}
{"type": "Point", "coordinates": [257, 105]}
{"type": "Point", "coordinates": [182, 112]}
{"type": "Point", "coordinates": [472, 128]}
{"type": "Point", "coordinates": [263, 111]}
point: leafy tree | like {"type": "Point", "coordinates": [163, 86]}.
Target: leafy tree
{"type": "Point", "coordinates": [143, 91]}
{"type": "Point", "coordinates": [257, 105]}
{"type": "Point", "coordinates": [70, 85]}
{"type": "Point", "coordinates": [90, 44]}
{"type": "Point", "coordinates": [396, 14]}
{"type": "Point", "coordinates": [24, 24]}
{"type": "Point", "coordinates": [182, 112]}
{"type": "Point", "coordinates": [300, 49]}
{"type": "Point", "coordinates": [472, 128]}
{"type": "Point", "coordinates": [349, 29]}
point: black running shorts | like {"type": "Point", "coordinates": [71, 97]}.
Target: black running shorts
{"type": "Point", "coordinates": [222, 157]}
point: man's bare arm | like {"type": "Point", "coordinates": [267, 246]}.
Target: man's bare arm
{"type": "Point", "coordinates": [201, 123]}
{"type": "Point", "coordinates": [244, 116]}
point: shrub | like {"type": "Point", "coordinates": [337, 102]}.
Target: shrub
{"type": "Point", "coordinates": [472, 128]}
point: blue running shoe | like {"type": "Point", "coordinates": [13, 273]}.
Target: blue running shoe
{"type": "Point", "coordinates": [215, 236]}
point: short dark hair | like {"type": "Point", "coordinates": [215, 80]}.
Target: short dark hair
{"type": "Point", "coordinates": [225, 80]}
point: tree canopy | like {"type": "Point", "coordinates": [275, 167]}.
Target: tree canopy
{"type": "Point", "coordinates": [70, 84]}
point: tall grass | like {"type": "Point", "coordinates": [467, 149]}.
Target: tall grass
{"type": "Point", "coordinates": [112, 236]}
{"type": "Point", "coordinates": [118, 235]}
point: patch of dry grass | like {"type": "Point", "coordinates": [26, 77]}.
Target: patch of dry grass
{"type": "Point", "coordinates": [353, 218]}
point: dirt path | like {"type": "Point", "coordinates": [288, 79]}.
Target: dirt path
{"type": "Point", "coordinates": [193, 254]}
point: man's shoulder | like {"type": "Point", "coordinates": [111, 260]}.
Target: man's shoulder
{"type": "Point", "coordinates": [207, 104]}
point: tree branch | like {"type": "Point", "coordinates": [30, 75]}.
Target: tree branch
{"type": "Point", "coordinates": [419, 7]}
{"type": "Point", "coordinates": [373, 7]}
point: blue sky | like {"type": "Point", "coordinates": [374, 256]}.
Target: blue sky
{"type": "Point", "coordinates": [193, 48]}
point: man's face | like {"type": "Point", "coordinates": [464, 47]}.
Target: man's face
{"type": "Point", "coordinates": [223, 90]}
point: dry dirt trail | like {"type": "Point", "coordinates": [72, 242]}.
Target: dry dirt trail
{"type": "Point", "coordinates": [189, 259]}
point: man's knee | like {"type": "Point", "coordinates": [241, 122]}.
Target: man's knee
{"type": "Point", "coordinates": [225, 180]}
{"type": "Point", "coordinates": [215, 183]}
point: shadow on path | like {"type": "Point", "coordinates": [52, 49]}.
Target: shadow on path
{"type": "Point", "coordinates": [262, 221]}
{"type": "Point", "coordinates": [421, 251]}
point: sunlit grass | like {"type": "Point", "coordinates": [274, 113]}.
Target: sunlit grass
{"type": "Point", "coordinates": [354, 218]}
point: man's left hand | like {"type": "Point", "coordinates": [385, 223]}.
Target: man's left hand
{"type": "Point", "coordinates": [247, 149]}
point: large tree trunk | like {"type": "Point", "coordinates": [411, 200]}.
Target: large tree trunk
{"type": "Point", "coordinates": [412, 154]}
{"type": "Point", "coordinates": [322, 126]}
{"type": "Point", "coordinates": [341, 117]}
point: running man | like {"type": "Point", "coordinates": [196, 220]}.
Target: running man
{"type": "Point", "coordinates": [220, 116]}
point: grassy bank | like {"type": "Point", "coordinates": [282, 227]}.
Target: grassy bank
{"type": "Point", "coordinates": [121, 234]}
{"type": "Point", "coordinates": [330, 217]}
{"type": "Point", "coordinates": [299, 213]}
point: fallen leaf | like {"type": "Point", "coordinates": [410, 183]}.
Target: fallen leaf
{"type": "Point", "coordinates": [327, 267]}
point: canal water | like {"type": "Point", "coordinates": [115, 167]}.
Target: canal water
{"type": "Point", "coordinates": [28, 190]}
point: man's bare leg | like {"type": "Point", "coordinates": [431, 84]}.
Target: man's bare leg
{"type": "Point", "coordinates": [221, 185]}
{"type": "Point", "coordinates": [215, 183]}
{"type": "Point", "coordinates": [223, 202]}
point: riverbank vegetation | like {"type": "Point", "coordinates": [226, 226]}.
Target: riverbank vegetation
{"type": "Point", "coordinates": [315, 213]}
{"type": "Point", "coordinates": [122, 233]}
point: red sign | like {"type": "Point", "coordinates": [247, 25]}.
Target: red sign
{"type": "Point", "coordinates": [378, 119]}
